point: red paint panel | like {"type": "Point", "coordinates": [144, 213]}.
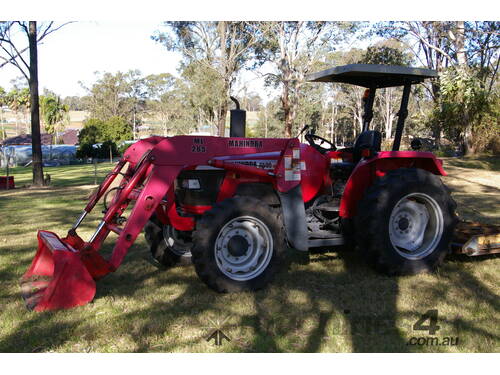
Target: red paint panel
{"type": "Point", "coordinates": [315, 169]}
{"type": "Point", "coordinates": [367, 170]}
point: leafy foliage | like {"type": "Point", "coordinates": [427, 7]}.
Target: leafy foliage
{"type": "Point", "coordinates": [11, 52]}
{"type": "Point", "coordinates": [387, 55]}
{"type": "Point", "coordinates": [53, 113]}
{"type": "Point", "coordinates": [117, 95]}
{"type": "Point", "coordinates": [465, 109]}
{"type": "Point", "coordinates": [108, 133]}
{"type": "Point", "coordinates": [220, 49]}
{"type": "Point", "coordinates": [461, 105]}
{"type": "Point", "coordinates": [296, 49]}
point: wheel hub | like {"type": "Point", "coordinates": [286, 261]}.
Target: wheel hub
{"type": "Point", "coordinates": [415, 226]}
{"type": "Point", "coordinates": [403, 223]}
{"type": "Point", "coordinates": [237, 246]}
{"type": "Point", "coordinates": [243, 248]}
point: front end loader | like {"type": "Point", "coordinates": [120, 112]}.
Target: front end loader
{"type": "Point", "coordinates": [63, 271]}
{"type": "Point", "coordinates": [233, 206]}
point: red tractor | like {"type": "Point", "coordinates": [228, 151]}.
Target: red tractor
{"type": "Point", "coordinates": [232, 206]}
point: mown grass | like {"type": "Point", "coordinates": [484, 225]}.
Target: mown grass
{"type": "Point", "coordinates": [63, 176]}
{"type": "Point", "coordinates": [332, 303]}
{"type": "Point", "coordinates": [486, 162]}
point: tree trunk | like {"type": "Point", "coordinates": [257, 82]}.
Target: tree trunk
{"type": "Point", "coordinates": [224, 107]}
{"type": "Point", "coordinates": [265, 123]}
{"type": "Point", "coordinates": [36, 141]}
{"type": "Point", "coordinates": [460, 43]}
{"type": "Point", "coordinates": [285, 102]}
{"type": "Point", "coordinates": [354, 124]}
{"type": "Point", "coordinates": [332, 124]}
{"type": "Point", "coordinates": [389, 115]}
{"type": "Point", "coordinates": [436, 127]}
{"type": "Point", "coordinates": [467, 147]}
{"type": "Point", "coordinates": [221, 121]}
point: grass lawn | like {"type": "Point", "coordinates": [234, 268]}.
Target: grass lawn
{"type": "Point", "coordinates": [486, 162]}
{"type": "Point", "coordinates": [333, 303]}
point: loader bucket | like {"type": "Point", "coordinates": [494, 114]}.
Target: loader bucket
{"type": "Point", "coordinates": [57, 278]}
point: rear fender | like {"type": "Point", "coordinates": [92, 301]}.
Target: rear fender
{"type": "Point", "coordinates": [368, 170]}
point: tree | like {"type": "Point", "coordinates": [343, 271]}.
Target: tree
{"type": "Point", "coordinates": [251, 102]}
{"type": "Point", "coordinates": [91, 133]}
{"type": "Point", "coordinates": [482, 45]}
{"type": "Point", "coordinates": [53, 113]}
{"type": "Point", "coordinates": [76, 103]}
{"type": "Point", "coordinates": [13, 54]}
{"type": "Point", "coordinates": [445, 45]}
{"type": "Point", "coordinates": [18, 100]}
{"type": "Point", "coordinates": [467, 111]}
{"type": "Point", "coordinates": [348, 98]}
{"type": "Point", "coordinates": [163, 97]}
{"type": "Point", "coordinates": [117, 95]}
{"type": "Point", "coordinates": [137, 95]}
{"type": "Point", "coordinates": [201, 90]}
{"type": "Point", "coordinates": [294, 48]}
{"type": "Point", "coordinates": [108, 133]}
{"type": "Point", "coordinates": [107, 96]}
{"type": "Point", "coordinates": [115, 129]}
{"type": "Point", "coordinates": [270, 121]}
{"type": "Point", "coordinates": [387, 52]}
{"type": "Point", "coordinates": [222, 47]}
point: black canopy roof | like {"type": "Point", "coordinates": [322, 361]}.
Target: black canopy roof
{"type": "Point", "coordinates": [371, 75]}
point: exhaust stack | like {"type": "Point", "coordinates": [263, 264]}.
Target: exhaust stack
{"type": "Point", "coordinates": [237, 120]}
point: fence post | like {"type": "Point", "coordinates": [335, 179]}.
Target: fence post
{"type": "Point", "coordinates": [7, 168]}
{"type": "Point", "coordinates": [95, 171]}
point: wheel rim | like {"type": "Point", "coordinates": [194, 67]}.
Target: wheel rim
{"type": "Point", "coordinates": [243, 248]}
{"type": "Point", "coordinates": [416, 226]}
{"type": "Point", "coordinates": [175, 244]}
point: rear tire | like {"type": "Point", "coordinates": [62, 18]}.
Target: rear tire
{"type": "Point", "coordinates": [166, 245]}
{"type": "Point", "coordinates": [238, 245]}
{"type": "Point", "coordinates": [405, 222]}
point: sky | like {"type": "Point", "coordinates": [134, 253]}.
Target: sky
{"type": "Point", "coordinates": [75, 52]}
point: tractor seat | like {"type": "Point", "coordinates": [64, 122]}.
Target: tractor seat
{"type": "Point", "coordinates": [369, 139]}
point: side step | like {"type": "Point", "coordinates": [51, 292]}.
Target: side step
{"type": "Point", "coordinates": [334, 240]}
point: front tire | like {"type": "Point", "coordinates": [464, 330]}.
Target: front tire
{"type": "Point", "coordinates": [405, 222]}
{"type": "Point", "coordinates": [168, 246]}
{"type": "Point", "coordinates": [238, 245]}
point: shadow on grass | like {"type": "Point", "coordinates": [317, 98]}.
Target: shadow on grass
{"type": "Point", "coordinates": [338, 306]}
{"type": "Point", "coordinates": [303, 311]}
{"type": "Point", "coordinates": [309, 309]}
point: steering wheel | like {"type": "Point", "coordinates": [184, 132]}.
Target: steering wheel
{"type": "Point", "coordinates": [311, 137]}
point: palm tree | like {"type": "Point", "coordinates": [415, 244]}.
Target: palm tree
{"type": "Point", "coordinates": [24, 104]}
{"type": "Point", "coordinates": [53, 113]}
